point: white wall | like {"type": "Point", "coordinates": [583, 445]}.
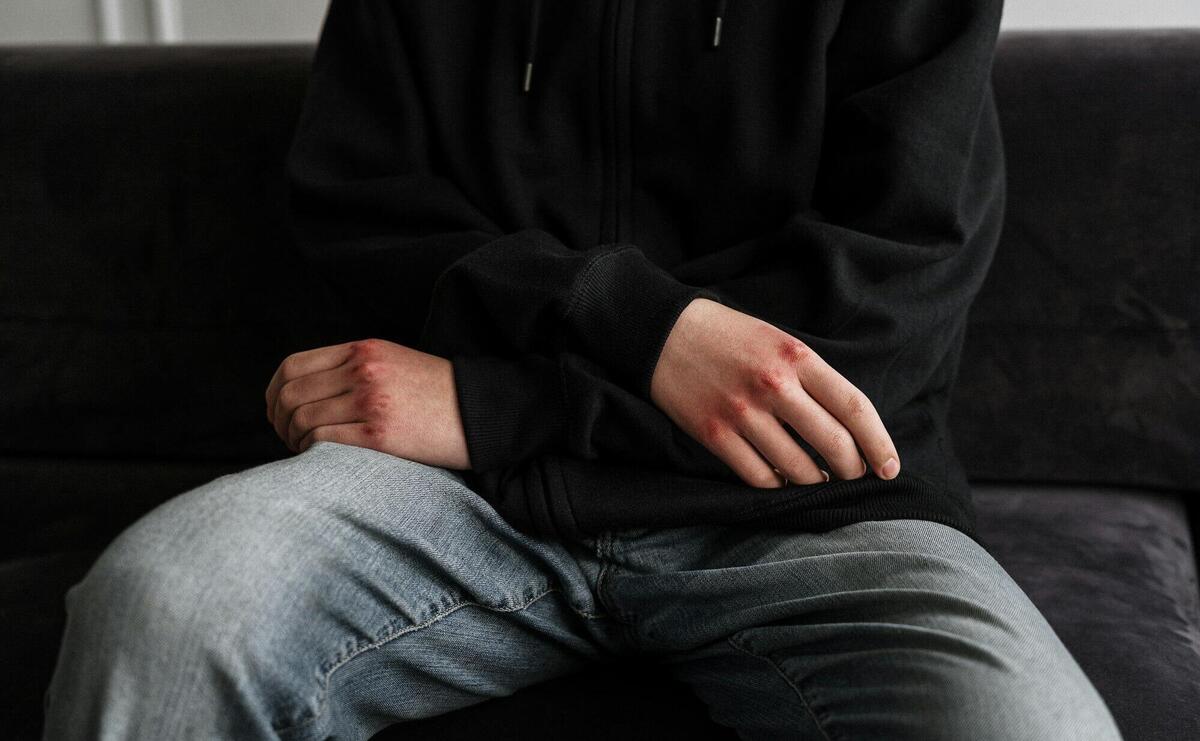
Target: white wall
{"type": "Point", "coordinates": [64, 21]}
{"type": "Point", "coordinates": [140, 21]}
{"type": "Point", "coordinates": [163, 21]}
{"type": "Point", "coordinates": [250, 20]}
{"type": "Point", "coordinates": [1100, 13]}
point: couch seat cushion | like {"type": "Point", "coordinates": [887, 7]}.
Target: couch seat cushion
{"type": "Point", "coordinates": [1114, 572]}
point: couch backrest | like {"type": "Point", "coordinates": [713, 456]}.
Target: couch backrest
{"type": "Point", "coordinates": [1082, 357]}
{"type": "Point", "coordinates": [148, 287]}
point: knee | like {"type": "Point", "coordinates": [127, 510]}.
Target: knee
{"type": "Point", "coordinates": [236, 564]}
{"type": "Point", "coordinates": [1057, 703]}
{"type": "Point", "coordinates": [1024, 685]}
{"type": "Point", "coordinates": [1019, 684]}
{"type": "Point", "coordinates": [888, 680]}
{"type": "Point", "coordinates": [186, 584]}
{"type": "Point", "coordinates": [199, 597]}
{"type": "Point", "coordinates": [140, 596]}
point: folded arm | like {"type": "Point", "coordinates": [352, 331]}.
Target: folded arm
{"type": "Point", "coordinates": [874, 275]}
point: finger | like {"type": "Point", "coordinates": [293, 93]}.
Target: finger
{"type": "Point", "coordinates": [301, 364]}
{"type": "Point", "coordinates": [774, 444]}
{"type": "Point", "coordinates": [821, 430]}
{"type": "Point", "coordinates": [336, 410]}
{"type": "Point", "coordinates": [851, 407]}
{"type": "Point", "coordinates": [744, 459]}
{"type": "Point", "coordinates": [314, 387]}
{"type": "Point", "coordinates": [348, 433]}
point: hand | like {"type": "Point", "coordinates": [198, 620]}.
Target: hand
{"type": "Point", "coordinates": [370, 393]}
{"type": "Point", "coordinates": [728, 379]}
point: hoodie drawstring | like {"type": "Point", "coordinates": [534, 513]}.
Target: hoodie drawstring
{"type": "Point", "coordinates": [535, 17]}
{"type": "Point", "coordinates": [717, 23]}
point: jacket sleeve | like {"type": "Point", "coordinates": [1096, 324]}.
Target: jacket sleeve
{"type": "Point", "coordinates": [907, 206]}
{"type": "Point", "coordinates": [517, 408]}
{"type": "Point", "coordinates": [388, 229]}
{"type": "Point", "coordinates": [413, 260]}
{"type": "Point", "coordinates": [877, 275]}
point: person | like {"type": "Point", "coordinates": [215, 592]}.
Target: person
{"type": "Point", "coordinates": [661, 304]}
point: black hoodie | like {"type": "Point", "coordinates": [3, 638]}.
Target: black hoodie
{"type": "Point", "coordinates": [536, 191]}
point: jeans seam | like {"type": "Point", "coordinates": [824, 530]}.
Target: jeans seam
{"type": "Point", "coordinates": [392, 635]}
{"type": "Point", "coordinates": [628, 620]}
{"type": "Point", "coordinates": [588, 615]}
{"type": "Point", "coordinates": [783, 675]}
{"type": "Point", "coordinates": [616, 612]}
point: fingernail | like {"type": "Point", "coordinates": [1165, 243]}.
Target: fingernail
{"type": "Point", "coordinates": [825, 474]}
{"type": "Point", "coordinates": [891, 467]}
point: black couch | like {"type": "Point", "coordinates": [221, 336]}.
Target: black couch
{"type": "Point", "coordinates": [148, 290]}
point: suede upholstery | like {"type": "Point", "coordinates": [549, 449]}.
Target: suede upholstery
{"type": "Point", "coordinates": [148, 290]}
{"type": "Point", "coordinates": [1084, 351]}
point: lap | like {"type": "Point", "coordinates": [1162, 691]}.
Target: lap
{"type": "Point", "coordinates": [881, 629]}
{"type": "Point", "coordinates": [319, 583]}
{"type": "Point", "coordinates": [337, 514]}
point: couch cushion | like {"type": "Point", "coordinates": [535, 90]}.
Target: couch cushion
{"type": "Point", "coordinates": [66, 504]}
{"type": "Point", "coordinates": [150, 288]}
{"type": "Point", "coordinates": [1114, 572]}
{"type": "Point", "coordinates": [32, 618]}
{"type": "Point", "coordinates": [1082, 347]}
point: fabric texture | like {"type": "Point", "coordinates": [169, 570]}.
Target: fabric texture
{"type": "Point", "coordinates": [149, 290]}
{"type": "Point", "coordinates": [834, 169]}
{"type": "Point", "coordinates": [1113, 569]}
{"type": "Point", "coordinates": [333, 593]}
{"type": "Point", "coordinates": [1083, 353]}
{"type": "Point", "coordinates": [150, 287]}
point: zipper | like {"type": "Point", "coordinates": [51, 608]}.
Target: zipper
{"type": "Point", "coordinates": [615, 63]}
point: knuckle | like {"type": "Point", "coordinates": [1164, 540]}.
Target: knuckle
{"type": "Point", "coordinates": [374, 403]}
{"type": "Point", "coordinates": [710, 431]}
{"type": "Point", "coordinates": [769, 380]}
{"type": "Point", "coordinates": [368, 348]}
{"type": "Point", "coordinates": [367, 371]}
{"type": "Point", "coordinates": [856, 405]}
{"type": "Point", "coordinates": [739, 408]}
{"type": "Point", "coordinates": [793, 351]}
{"type": "Point", "coordinates": [839, 439]}
{"type": "Point", "coordinates": [372, 433]}
{"type": "Point", "coordinates": [288, 395]}
{"type": "Point", "coordinates": [288, 367]}
{"type": "Point", "coordinates": [301, 419]}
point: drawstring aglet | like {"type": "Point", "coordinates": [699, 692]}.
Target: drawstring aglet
{"type": "Point", "coordinates": [528, 75]}
{"type": "Point", "coordinates": [717, 32]}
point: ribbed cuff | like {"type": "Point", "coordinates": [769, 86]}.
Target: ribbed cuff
{"type": "Point", "coordinates": [511, 409]}
{"type": "Point", "coordinates": [623, 310]}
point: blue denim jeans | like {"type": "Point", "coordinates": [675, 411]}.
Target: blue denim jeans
{"type": "Point", "coordinates": [343, 589]}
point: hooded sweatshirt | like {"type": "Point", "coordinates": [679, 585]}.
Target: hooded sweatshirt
{"type": "Point", "coordinates": [536, 191]}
